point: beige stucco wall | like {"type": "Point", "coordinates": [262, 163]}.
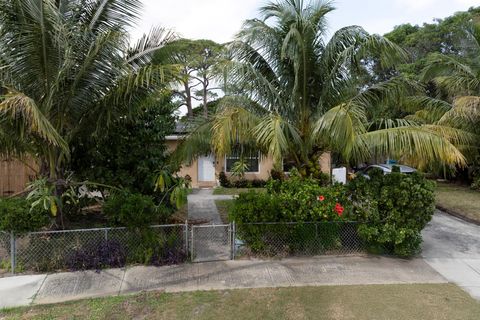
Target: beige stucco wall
{"type": "Point", "coordinates": [266, 165]}
{"type": "Point", "coordinates": [191, 170]}
{"type": "Point", "coordinates": [325, 163]}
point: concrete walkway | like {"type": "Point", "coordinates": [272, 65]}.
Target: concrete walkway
{"type": "Point", "coordinates": [201, 206]}
{"type": "Point", "coordinates": [452, 247]}
{"type": "Point", "coordinates": [42, 289]}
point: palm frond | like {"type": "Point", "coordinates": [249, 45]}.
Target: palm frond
{"type": "Point", "coordinates": [195, 144]}
{"type": "Point", "coordinates": [141, 53]}
{"type": "Point", "coordinates": [111, 14]}
{"type": "Point", "coordinates": [18, 106]}
{"type": "Point", "coordinates": [231, 126]}
{"type": "Point", "coordinates": [413, 142]}
{"type": "Point", "coordinates": [276, 136]}
{"type": "Point", "coordinates": [340, 126]}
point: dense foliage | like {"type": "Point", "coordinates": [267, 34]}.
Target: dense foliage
{"type": "Point", "coordinates": [129, 153]}
{"type": "Point", "coordinates": [131, 210]}
{"type": "Point", "coordinates": [225, 182]}
{"type": "Point", "coordinates": [445, 59]}
{"type": "Point", "coordinates": [67, 65]}
{"type": "Point", "coordinates": [293, 200]}
{"type": "Point", "coordinates": [441, 36]}
{"type": "Point", "coordinates": [294, 93]}
{"type": "Point", "coordinates": [390, 210]}
{"type": "Point", "coordinates": [17, 215]}
{"type": "Point", "coordinates": [109, 254]}
{"type": "Point", "coordinates": [317, 211]}
{"type": "Point", "coordinates": [393, 210]}
{"type": "Point", "coordinates": [150, 247]}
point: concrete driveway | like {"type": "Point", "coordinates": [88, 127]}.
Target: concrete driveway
{"type": "Point", "coordinates": [452, 247]}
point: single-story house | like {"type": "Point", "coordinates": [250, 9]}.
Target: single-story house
{"type": "Point", "coordinates": [205, 170]}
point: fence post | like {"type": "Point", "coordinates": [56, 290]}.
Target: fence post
{"type": "Point", "coordinates": [233, 235]}
{"type": "Point", "coordinates": [192, 244]}
{"type": "Point", "coordinates": [12, 251]}
{"type": "Point", "coordinates": [186, 236]}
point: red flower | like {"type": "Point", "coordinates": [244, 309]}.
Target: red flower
{"type": "Point", "coordinates": [320, 198]}
{"type": "Point", "coordinates": [339, 209]}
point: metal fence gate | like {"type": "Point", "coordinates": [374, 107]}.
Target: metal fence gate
{"type": "Point", "coordinates": [211, 242]}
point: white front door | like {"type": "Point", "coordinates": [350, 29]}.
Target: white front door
{"type": "Point", "coordinates": [206, 169]}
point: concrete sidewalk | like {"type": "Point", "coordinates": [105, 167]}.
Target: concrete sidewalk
{"type": "Point", "coordinates": [316, 271]}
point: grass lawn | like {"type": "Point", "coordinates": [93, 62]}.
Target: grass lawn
{"type": "Point", "coordinates": [235, 191]}
{"type": "Point", "coordinates": [459, 200]}
{"type": "Point", "coordinates": [443, 301]}
{"type": "Point", "coordinates": [223, 206]}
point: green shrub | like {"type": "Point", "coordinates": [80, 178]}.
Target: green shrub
{"type": "Point", "coordinates": [258, 183]}
{"type": "Point", "coordinates": [293, 200]}
{"type": "Point", "coordinates": [277, 175]}
{"type": "Point", "coordinates": [152, 246]}
{"type": "Point", "coordinates": [17, 215]}
{"type": "Point", "coordinates": [393, 210]}
{"type": "Point", "coordinates": [223, 179]}
{"type": "Point", "coordinates": [131, 210]}
{"type": "Point", "coordinates": [242, 183]}
{"type": "Point", "coordinates": [255, 207]}
{"type": "Point", "coordinates": [476, 184]}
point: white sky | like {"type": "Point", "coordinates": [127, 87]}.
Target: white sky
{"type": "Point", "coordinates": [219, 20]}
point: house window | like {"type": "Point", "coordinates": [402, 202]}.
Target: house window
{"type": "Point", "coordinates": [253, 162]}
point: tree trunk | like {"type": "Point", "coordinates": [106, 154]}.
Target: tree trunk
{"type": "Point", "coordinates": [59, 190]}
{"type": "Point", "coordinates": [205, 97]}
{"type": "Point", "coordinates": [188, 102]}
{"type": "Point", "coordinates": [55, 174]}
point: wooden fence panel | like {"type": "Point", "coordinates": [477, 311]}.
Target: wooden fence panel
{"type": "Point", "coordinates": [14, 176]}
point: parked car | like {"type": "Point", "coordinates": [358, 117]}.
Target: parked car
{"type": "Point", "coordinates": [386, 168]}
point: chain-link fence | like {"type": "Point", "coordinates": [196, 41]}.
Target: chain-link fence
{"type": "Point", "coordinates": [98, 248]}
{"type": "Point", "coordinates": [211, 242]}
{"type": "Point", "coordinates": [297, 239]}
{"type": "Point", "coordinates": [173, 244]}
{"type": "Point", "coordinates": [5, 249]}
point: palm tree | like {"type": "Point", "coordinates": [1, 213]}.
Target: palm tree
{"type": "Point", "coordinates": [456, 80]}
{"type": "Point", "coordinates": [298, 94]}
{"type": "Point", "coordinates": [67, 64]}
